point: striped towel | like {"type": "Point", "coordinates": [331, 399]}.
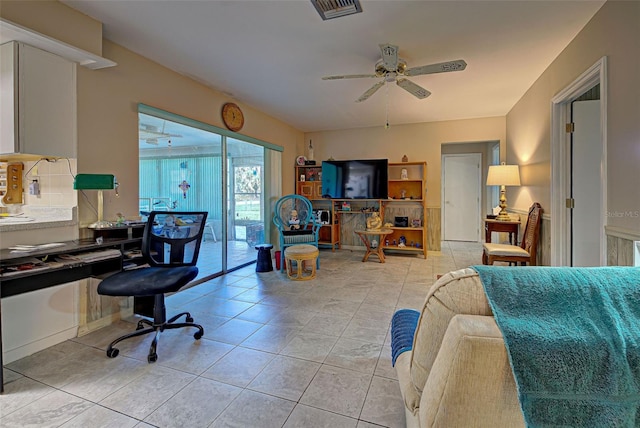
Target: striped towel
{"type": "Point", "coordinates": [403, 326]}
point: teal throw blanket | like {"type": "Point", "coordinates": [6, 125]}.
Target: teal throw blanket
{"type": "Point", "coordinates": [573, 339]}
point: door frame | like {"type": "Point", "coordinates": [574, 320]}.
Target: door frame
{"type": "Point", "coordinates": [479, 189]}
{"type": "Point", "coordinates": [560, 110]}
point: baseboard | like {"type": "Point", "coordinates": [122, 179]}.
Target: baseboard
{"type": "Point", "coordinates": [10, 355]}
{"type": "Point", "coordinates": [103, 322]}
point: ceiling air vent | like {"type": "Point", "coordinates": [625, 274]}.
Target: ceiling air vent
{"type": "Point", "coordinates": [329, 9]}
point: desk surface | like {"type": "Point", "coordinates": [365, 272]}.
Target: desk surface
{"type": "Point", "coordinates": [75, 246]}
{"type": "Point", "coordinates": [41, 270]}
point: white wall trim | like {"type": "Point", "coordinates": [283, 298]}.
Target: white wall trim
{"type": "Point", "coordinates": [597, 73]}
{"type": "Point", "coordinates": [14, 354]}
{"type": "Point", "coordinates": [525, 213]}
{"type": "Point", "coordinates": [620, 232]}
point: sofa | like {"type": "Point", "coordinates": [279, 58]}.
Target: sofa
{"type": "Point", "coordinates": [568, 337]}
{"type": "Point", "coordinates": [457, 373]}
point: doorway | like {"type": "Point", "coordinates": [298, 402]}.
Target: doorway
{"type": "Point", "coordinates": [461, 197]}
{"type": "Point", "coordinates": [561, 159]}
{"type": "Point", "coordinates": [585, 149]}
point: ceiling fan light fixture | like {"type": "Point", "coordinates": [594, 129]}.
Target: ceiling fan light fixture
{"type": "Point", "coordinates": [330, 9]}
{"type": "Point", "coordinates": [392, 68]}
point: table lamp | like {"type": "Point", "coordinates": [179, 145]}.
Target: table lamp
{"type": "Point", "coordinates": [99, 182]}
{"type": "Point", "coordinates": [503, 175]}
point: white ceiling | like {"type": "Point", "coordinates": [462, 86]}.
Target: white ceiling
{"type": "Point", "coordinates": [271, 54]}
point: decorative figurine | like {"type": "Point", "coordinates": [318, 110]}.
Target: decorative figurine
{"type": "Point", "coordinates": [120, 219]}
{"type": "Point", "coordinates": [404, 175]}
{"type": "Point", "coordinates": [374, 222]}
{"type": "Point", "coordinates": [405, 158]}
{"type": "Point", "coordinates": [310, 151]}
{"type": "Point", "coordinates": [294, 221]}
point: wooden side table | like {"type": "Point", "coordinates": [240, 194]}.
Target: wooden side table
{"type": "Point", "coordinates": [366, 236]}
{"type": "Point", "coordinates": [510, 227]}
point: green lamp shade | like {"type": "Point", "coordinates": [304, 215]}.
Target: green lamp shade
{"type": "Point", "coordinates": [94, 182]}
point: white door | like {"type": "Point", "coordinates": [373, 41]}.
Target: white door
{"type": "Point", "coordinates": [461, 197]}
{"type": "Point", "coordinates": [586, 184]}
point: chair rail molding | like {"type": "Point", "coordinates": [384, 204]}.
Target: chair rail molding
{"type": "Point", "coordinates": [620, 232]}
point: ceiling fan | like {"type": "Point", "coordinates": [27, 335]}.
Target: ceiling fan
{"type": "Point", "coordinates": [150, 133]}
{"type": "Point", "coordinates": [393, 68]}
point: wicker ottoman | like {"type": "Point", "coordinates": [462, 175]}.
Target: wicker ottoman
{"type": "Point", "coordinates": [301, 254]}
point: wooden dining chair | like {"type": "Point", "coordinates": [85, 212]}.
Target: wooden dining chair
{"type": "Point", "coordinates": [523, 253]}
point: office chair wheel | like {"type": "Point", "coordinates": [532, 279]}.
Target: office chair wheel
{"type": "Point", "coordinates": [112, 353]}
{"type": "Point", "coordinates": [152, 358]}
{"type": "Point", "coordinates": [197, 335]}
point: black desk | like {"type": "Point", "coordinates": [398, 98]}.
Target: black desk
{"type": "Point", "coordinates": [32, 280]}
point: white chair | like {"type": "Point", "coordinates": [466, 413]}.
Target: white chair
{"type": "Point", "coordinates": [208, 227]}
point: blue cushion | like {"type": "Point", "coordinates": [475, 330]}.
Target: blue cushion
{"type": "Point", "coordinates": [403, 326]}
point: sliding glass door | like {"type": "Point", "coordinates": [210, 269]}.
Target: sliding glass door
{"type": "Point", "coordinates": [189, 166]}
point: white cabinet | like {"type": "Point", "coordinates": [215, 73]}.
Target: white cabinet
{"type": "Point", "coordinates": [37, 102]}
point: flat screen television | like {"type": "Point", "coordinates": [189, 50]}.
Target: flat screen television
{"type": "Point", "coordinates": [355, 179]}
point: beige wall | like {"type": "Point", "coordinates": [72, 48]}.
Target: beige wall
{"type": "Point", "coordinates": [420, 142]}
{"type": "Point", "coordinates": [107, 119]}
{"type": "Point", "coordinates": [108, 99]}
{"type": "Point", "coordinates": [57, 21]}
{"type": "Point", "coordinates": [613, 32]}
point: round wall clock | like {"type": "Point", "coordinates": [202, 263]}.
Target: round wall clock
{"type": "Point", "coordinates": [232, 117]}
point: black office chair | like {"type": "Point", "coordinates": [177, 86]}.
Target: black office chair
{"type": "Point", "coordinates": [170, 246]}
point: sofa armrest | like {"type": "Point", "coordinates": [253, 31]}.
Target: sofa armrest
{"type": "Point", "coordinates": [471, 382]}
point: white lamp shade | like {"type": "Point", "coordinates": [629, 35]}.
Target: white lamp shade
{"type": "Point", "coordinates": [503, 175]}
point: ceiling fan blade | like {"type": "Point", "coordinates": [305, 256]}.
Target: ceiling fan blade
{"type": "Point", "coordinates": [442, 67]}
{"type": "Point", "coordinates": [348, 76]}
{"type": "Point", "coordinates": [372, 90]}
{"type": "Point", "coordinates": [415, 90]}
{"type": "Point", "coordinates": [389, 57]}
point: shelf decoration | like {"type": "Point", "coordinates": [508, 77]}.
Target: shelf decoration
{"type": "Point", "coordinates": [310, 151]}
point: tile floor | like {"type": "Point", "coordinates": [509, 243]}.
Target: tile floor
{"type": "Point", "coordinates": [276, 353]}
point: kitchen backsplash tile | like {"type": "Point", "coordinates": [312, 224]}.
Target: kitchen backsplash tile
{"type": "Point", "coordinates": [56, 183]}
